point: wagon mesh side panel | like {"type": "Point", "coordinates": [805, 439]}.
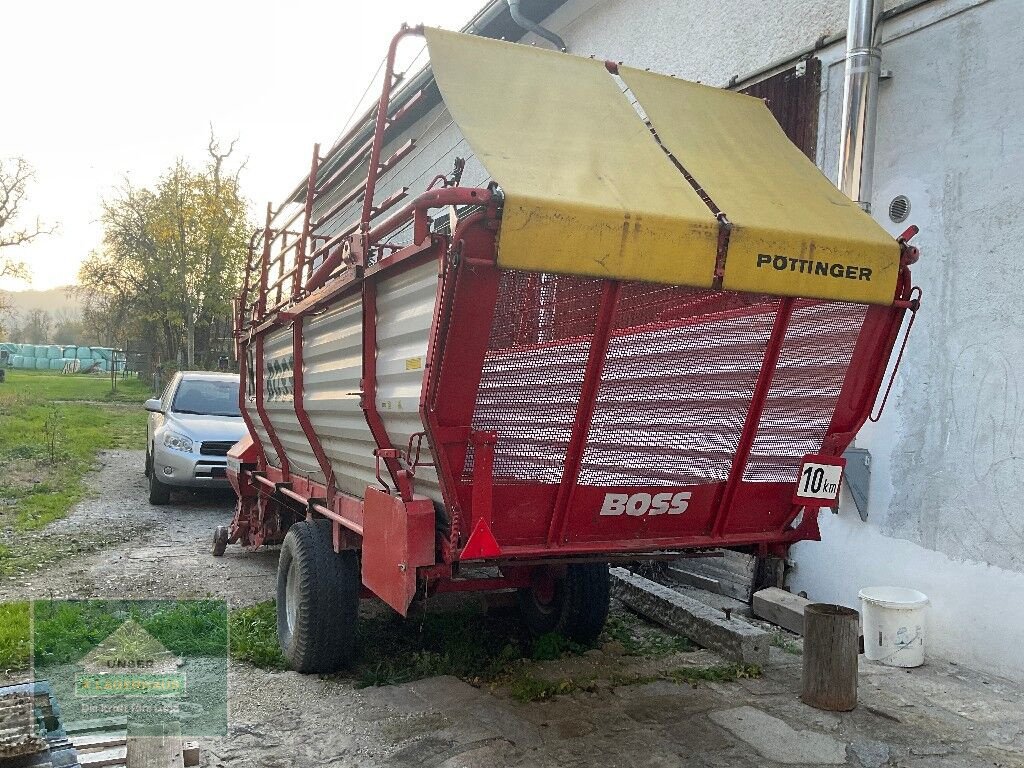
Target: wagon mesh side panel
{"type": "Point", "coordinates": [677, 383]}
{"type": "Point", "coordinates": [533, 372]}
{"type": "Point", "coordinates": [802, 399]}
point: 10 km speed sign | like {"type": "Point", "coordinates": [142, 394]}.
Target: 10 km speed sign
{"type": "Point", "coordinates": [817, 485]}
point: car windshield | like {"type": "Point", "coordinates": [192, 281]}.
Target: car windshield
{"type": "Point", "coordinates": [207, 397]}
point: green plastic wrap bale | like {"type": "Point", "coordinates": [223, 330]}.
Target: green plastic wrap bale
{"type": "Point", "coordinates": [72, 364]}
{"type": "Point", "coordinates": [42, 363]}
{"type": "Point", "coordinates": [42, 351]}
{"type": "Point", "coordinates": [102, 365]}
{"type": "Point", "coordinates": [70, 351]}
{"type": "Point", "coordinates": [84, 353]}
{"type": "Point", "coordinates": [18, 361]}
{"type": "Point", "coordinates": [102, 353]}
{"type": "Point", "coordinates": [53, 352]}
{"type": "Point", "coordinates": [8, 347]}
{"type": "Point", "coordinates": [56, 364]}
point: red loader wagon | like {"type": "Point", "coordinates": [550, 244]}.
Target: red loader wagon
{"type": "Point", "coordinates": [538, 313]}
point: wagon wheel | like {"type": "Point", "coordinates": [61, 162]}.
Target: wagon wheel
{"type": "Point", "coordinates": [574, 605]}
{"type": "Point", "coordinates": [317, 599]}
{"type": "Point", "coordinates": [220, 540]}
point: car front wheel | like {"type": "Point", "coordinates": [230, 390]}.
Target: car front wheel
{"type": "Point", "coordinates": [159, 493]}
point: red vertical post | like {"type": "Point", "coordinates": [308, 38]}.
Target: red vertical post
{"type": "Point", "coordinates": [380, 125]}
{"type": "Point", "coordinates": [757, 402]}
{"type": "Point", "coordinates": [584, 410]}
{"type": "Point", "coordinates": [259, 362]}
{"type": "Point", "coordinates": [301, 247]}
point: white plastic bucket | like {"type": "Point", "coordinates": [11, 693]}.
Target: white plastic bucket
{"type": "Point", "coordinates": [893, 625]}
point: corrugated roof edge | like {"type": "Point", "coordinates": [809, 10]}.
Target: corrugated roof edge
{"type": "Point", "coordinates": [493, 20]}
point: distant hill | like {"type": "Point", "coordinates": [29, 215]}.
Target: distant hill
{"type": "Point", "coordinates": [52, 300]}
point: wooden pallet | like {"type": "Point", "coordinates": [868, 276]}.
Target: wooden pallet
{"type": "Point", "coordinates": [100, 743]}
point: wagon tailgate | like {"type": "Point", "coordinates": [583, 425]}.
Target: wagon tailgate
{"type": "Point", "coordinates": [589, 191]}
{"type": "Point", "coordinates": [780, 205]}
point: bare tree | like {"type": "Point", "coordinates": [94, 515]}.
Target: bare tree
{"type": "Point", "coordinates": [15, 176]}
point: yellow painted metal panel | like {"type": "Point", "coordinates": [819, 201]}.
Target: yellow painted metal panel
{"type": "Point", "coordinates": [794, 233]}
{"type": "Point", "coordinates": [587, 189]}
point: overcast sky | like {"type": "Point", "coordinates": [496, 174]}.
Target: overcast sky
{"type": "Point", "coordinates": [97, 91]}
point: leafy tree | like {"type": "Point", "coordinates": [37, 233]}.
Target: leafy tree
{"type": "Point", "coordinates": [171, 261]}
{"type": "Point", "coordinates": [36, 329]}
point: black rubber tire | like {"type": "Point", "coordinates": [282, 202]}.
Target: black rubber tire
{"type": "Point", "coordinates": [159, 494]}
{"type": "Point", "coordinates": [579, 607]}
{"type": "Point", "coordinates": [149, 463]}
{"type": "Point", "coordinates": [323, 638]}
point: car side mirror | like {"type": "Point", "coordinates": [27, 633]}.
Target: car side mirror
{"type": "Point", "coordinates": [153, 405]}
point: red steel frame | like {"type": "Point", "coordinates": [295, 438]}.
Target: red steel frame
{"type": "Point", "coordinates": [730, 513]}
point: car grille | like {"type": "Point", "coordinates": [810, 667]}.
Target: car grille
{"type": "Point", "coordinates": [216, 447]}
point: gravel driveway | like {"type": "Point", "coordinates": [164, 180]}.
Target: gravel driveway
{"type": "Point", "coordinates": [115, 545]}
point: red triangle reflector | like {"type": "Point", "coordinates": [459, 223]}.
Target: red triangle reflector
{"type": "Point", "coordinates": [481, 543]}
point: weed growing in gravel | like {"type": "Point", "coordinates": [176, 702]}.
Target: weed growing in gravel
{"type": "Point", "coordinates": [253, 636]}
{"type": "Point", "coordinates": [523, 685]}
{"type": "Point", "coordinates": [466, 643]}
{"type": "Point", "coordinates": [786, 643]}
{"type": "Point", "coordinates": [641, 639]}
{"type": "Point", "coordinates": [479, 648]}
{"type": "Point", "coordinates": [15, 637]}
{"type": "Point", "coordinates": [725, 673]}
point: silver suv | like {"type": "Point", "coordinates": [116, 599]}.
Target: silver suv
{"type": "Point", "coordinates": [191, 428]}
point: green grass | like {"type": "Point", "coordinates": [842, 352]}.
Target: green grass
{"type": "Point", "coordinates": [786, 643]}
{"type": "Point", "coordinates": [15, 636]}
{"type": "Point", "coordinates": [66, 630]}
{"type": "Point", "coordinates": [641, 639]}
{"type": "Point", "coordinates": [524, 685]}
{"type": "Point", "coordinates": [478, 648]}
{"type": "Point", "coordinates": [253, 636]}
{"type": "Point", "coordinates": [52, 427]}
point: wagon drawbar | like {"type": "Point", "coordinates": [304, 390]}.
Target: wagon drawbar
{"type": "Point", "coordinates": [538, 313]}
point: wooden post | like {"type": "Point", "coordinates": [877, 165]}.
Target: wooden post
{"type": "Point", "coordinates": [829, 679]}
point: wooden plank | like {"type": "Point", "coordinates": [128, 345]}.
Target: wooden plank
{"type": "Point", "coordinates": [103, 757]}
{"type": "Point", "coordinates": [781, 608]}
{"type": "Point", "coordinates": [112, 738]}
{"type": "Point", "coordinates": [159, 751]}
{"type": "Point", "coordinates": [100, 724]}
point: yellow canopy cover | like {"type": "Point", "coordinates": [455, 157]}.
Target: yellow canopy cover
{"type": "Point", "coordinates": [588, 190]}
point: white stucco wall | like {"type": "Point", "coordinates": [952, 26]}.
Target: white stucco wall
{"type": "Point", "coordinates": [947, 490]}
{"type": "Point", "coordinates": [945, 511]}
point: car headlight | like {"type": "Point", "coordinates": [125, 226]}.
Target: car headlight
{"type": "Point", "coordinates": [177, 442]}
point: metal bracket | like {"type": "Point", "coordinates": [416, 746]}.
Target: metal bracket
{"type": "Point", "coordinates": [858, 478]}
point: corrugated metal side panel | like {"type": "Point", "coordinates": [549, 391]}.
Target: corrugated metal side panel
{"type": "Point", "coordinates": [278, 384]}
{"type": "Point", "coordinates": [333, 360]}
{"type": "Point", "coordinates": [250, 408]}
{"type": "Point", "coordinates": [405, 312]}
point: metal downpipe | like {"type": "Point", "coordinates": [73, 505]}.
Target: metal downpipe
{"type": "Point", "coordinates": [532, 26]}
{"type": "Point", "coordinates": [860, 101]}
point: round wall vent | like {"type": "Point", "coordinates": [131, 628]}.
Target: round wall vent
{"type": "Point", "coordinates": [899, 209]}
